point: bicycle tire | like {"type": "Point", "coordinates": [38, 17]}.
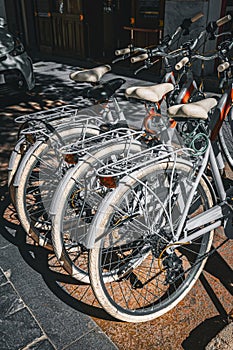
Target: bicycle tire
{"type": "Point", "coordinates": [129, 286]}
{"type": "Point", "coordinates": [74, 204]}
{"type": "Point", "coordinates": [29, 190]}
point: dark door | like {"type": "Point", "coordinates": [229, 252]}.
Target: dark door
{"type": "Point", "coordinates": [43, 24]}
{"type": "Point", "coordinates": [68, 27]}
{"type": "Point", "coordinates": [105, 20]}
{"type": "Point", "coordinates": [60, 27]}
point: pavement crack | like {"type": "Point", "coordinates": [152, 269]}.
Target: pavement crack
{"type": "Point", "coordinates": [35, 341]}
{"type": "Point", "coordinates": [16, 306]}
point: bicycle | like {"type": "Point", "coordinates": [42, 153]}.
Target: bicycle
{"type": "Point", "coordinates": [151, 236]}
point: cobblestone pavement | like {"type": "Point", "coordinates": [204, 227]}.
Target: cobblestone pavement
{"type": "Point", "coordinates": [43, 308]}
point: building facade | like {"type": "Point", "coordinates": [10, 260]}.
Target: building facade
{"type": "Point", "coordinates": [94, 29]}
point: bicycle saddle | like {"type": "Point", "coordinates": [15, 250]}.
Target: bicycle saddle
{"type": "Point", "coordinates": [153, 93]}
{"type": "Point", "coordinates": [196, 110]}
{"type": "Point", "coordinates": [104, 91]}
{"type": "Point", "coordinates": [92, 75]}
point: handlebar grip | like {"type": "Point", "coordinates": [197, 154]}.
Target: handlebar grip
{"type": "Point", "coordinates": [181, 63]}
{"type": "Point", "coordinates": [223, 20]}
{"type": "Point", "coordinates": [139, 58]}
{"type": "Point", "coordinates": [122, 51]}
{"type": "Point", "coordinates": [223, 66]}
{"type": "Point", "coordinates": [197, 17]}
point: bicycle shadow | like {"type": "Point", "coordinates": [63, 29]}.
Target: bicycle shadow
{"type": "Point", "coordinates": [38, 259]}
{"type": "Point", "coordinates": [200, 336]}
{"type": "Point", "coordinates": [204, 333]}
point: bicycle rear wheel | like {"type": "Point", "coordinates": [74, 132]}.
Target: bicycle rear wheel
{"type": "Point", "coordinates": [136, 270]}
{"type": "Point", "coordinates": [75, 203]}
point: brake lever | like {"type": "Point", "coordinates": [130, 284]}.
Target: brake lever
{"type": "Point", "coordinates": [141, 68]}
{"type": "Point", "coordinates": [222, 82]}
{"type": "Point", "coordinates": [122, 58]}
{"type": "Point", "coordinates": [222, 34]}
{"type": "Point", "coordinates": [147, 65]}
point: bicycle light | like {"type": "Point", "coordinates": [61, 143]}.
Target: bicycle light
{"type": "Point", "coordinates": [71, 158]}
{"type": "Point", "coordinates": [108, 181]}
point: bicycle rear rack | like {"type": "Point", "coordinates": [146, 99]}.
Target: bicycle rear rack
{"type": "Point", "coordinates": [146, 157]}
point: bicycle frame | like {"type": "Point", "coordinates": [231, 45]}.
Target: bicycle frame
{"type": "Point", "coordinates": [214, 216]}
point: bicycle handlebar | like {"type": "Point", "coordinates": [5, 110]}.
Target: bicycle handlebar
{"type": "Point", "coordinates": [120, 52]}
{"type": "Point", "coordinates": [209, 29]}
{"type": "Point", "coordinates": [223, 20]}
{"type": "Point", "coordinates": [188, 21]}
{"type": "Point", "coordinates": [181, 63]}
{"type": "Point", "coordinates": [139, 58]}
{"type": "Point", "coordinates": [197, 17]}
{"type": "Point", "coordinates": [160, 49]}
{"type": "Point", "coordinates": [185, 25]}
{"type": "Point", "coordinates": [206, 58]}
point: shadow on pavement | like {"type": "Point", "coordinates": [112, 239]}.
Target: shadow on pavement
{"type": "Point", "coordinates": [202, 335]}
{"type": "Point", "coordinates": [39, 259]}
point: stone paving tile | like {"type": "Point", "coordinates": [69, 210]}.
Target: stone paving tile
{"type": "Point", "coordinates": [92, 340]}
{"type": "Point", "coordinates": [62, 324]}
{"type": "Point", "coordinates": [18, 327]}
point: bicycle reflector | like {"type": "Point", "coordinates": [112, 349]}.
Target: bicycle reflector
{"type": "Point", "coordinates": [70, 158]}
{"type": "Point", "coordinates": [108, 181]}
{"type": "Point", "coordinates": [30, 138]}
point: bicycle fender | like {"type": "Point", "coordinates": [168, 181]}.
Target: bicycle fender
{"type": "Point", "coordinates": [60, 189]}
{"type": "Point", "coordinates": [14, 154]}
{"type": "Point", "coordinates": [24, 161]}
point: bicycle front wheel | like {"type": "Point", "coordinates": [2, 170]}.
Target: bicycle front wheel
{"type": "Point", "coordinates": [137, 270]}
